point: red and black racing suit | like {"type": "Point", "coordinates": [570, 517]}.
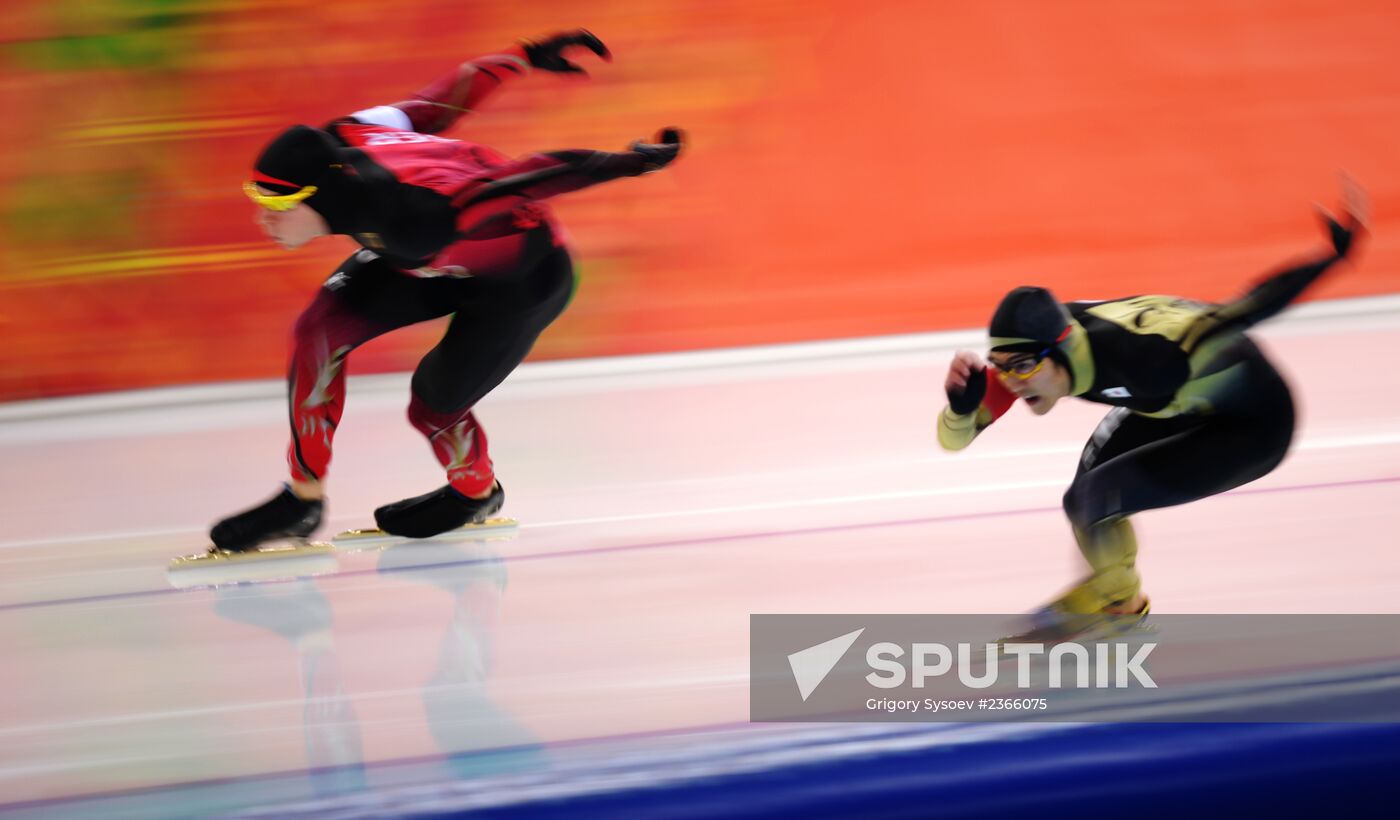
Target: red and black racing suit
{"type": "Point", "coordinates": [454, 228]}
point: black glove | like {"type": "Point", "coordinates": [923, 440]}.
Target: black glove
{"type": "Point", "coordinates": [1340, 234]}
{"type": "Point", "coordinates": [1355, 207]}
{"type": "Point", "coordinates": [662, 151]}
{"type": "Point", "coordinates": [969, 398]}
{"type": "Point", "coordinates": [548, 54]}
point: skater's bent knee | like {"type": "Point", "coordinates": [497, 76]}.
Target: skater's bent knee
{"type": "Point", "coordinates": [437, 400]}
{"type": "Point", "coordinates": [1086, 505]}
{"type": "Point", "coordinates": [428, 402]}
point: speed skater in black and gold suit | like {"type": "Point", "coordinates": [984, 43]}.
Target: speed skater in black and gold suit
{"type": "Point", "coordinates": [1198, 408]}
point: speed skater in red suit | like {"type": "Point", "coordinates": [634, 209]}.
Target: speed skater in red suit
{"type": "Point", "coordinates": [446, 227]}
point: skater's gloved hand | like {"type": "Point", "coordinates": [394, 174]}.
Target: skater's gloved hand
{"type": "Point", "coordinates": [966, 384]}
{"type": "Point", "coordinates": [1344, 230]}
{"type": "Point", "coordinates": [662, 151]}
{"type": "Point", "coordinates": [548, 54]}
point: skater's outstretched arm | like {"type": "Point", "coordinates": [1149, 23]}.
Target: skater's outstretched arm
{"type": "Point", "coordinates": [438, 106]}
{"type": "Point", "coordinates": [1270, 296]}
{"type": "Point", "coordinates": [540, 176]}
{"type": "Point", "coordinates": [976, 398]}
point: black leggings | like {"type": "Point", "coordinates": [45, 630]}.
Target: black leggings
{"type": "Point", "coordinates": [495, 323]}
{"type": "Point", "coordinates": [1134, 463]}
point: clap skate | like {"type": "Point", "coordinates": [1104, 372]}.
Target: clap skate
{"type": "Point", "coordinates": [269, 562]}
{"type": "Point", "coordinates": [1054, 624]}
{"type": "Point", "coordinates": [441, 515]}
{"type": "Point", "coordinates": [266, 542]}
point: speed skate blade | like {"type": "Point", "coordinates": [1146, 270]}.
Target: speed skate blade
{"type": "Point", "coordinates": [490, 529]}
{"type": "Point", "coordinates": [268, 563]}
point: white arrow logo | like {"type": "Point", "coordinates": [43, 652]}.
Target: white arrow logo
{"type": "Point", "coordinates": [810, 666]}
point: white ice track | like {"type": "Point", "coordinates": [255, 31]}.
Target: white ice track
{"type": "Point", "coordinates": [662, 500]}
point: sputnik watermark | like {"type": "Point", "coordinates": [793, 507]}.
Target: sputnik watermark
{"type": "Point", "coordinates": [955, 668]}
{"type": "Point", "coordinates": [932, 660]}
{"type": "Point", "coordinates": [1093, 666]}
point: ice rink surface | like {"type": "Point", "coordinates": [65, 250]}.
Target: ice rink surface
{"type": "Point", "coordinates": [662, 501]}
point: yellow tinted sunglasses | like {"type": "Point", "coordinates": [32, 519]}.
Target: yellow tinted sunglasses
{"type": "Point", "coordinates": [277, 202]}
{"type": "Point", "coordinates": [1022, 368]}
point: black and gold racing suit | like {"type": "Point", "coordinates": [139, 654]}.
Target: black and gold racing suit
{"type": "Point", "coordinates": [1198, 410]}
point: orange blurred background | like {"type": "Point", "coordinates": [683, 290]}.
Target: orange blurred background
{"type": "Point", "coordinates": [854, 168]}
